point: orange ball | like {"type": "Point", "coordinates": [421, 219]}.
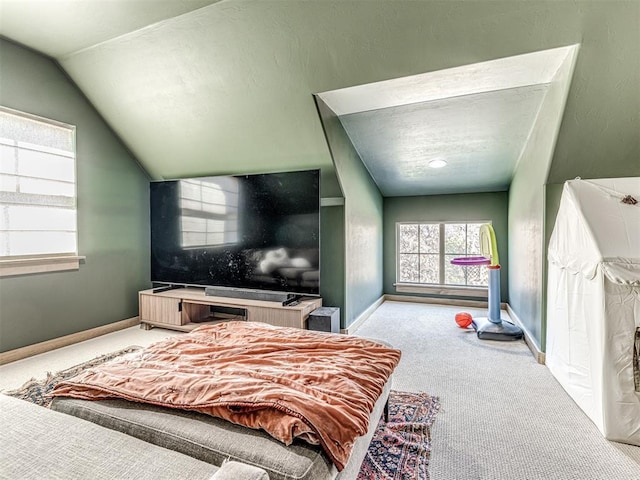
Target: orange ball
{"type": "Point", "coordinates": [463, 319]}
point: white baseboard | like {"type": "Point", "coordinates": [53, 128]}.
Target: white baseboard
{"type": "Point", "coordinates": [437, 301]}
{"type": "Point", "coordinates": [528, 338]}
{"type": "Point", "coordinates": [363, 316]}
{"type": "Point", "coordinates": [42, 347]}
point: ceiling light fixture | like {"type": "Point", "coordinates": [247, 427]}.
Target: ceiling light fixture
{"type": "Point", "coordinates": [437, 163]}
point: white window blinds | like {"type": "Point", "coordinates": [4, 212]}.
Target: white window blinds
{"type": "Point", "coordinates": [37, 186]}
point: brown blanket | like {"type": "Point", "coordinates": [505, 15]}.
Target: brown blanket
{"type": "Point", "coordinates": [292, 383]}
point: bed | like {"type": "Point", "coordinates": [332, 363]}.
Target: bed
{"type": "Point", "coordinates": [248, 391]}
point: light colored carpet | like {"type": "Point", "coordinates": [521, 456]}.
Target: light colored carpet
{"type": "Point", "coordinates": [503, 416]}
{"type": "Point", "coordinates": [15, 374]}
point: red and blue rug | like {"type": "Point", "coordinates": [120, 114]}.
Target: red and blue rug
{"type": "Point", "coordinates": [400, 448]}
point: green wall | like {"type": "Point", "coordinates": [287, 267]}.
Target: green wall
{"type": "Point", "coordinates": [552, 194]}
{"type": "Point", "coordinates": [527, 252]}
{"type": "Point", "coordinates": [362, 220]}
{"type": "Point", "coordinates": [332, 287]}
{"type": "Point", "coordinates": [264, 115]}
{"type": "Point", "coordinates": [440, 208]}
{"type": "Point", "coordinates": [113, 216]}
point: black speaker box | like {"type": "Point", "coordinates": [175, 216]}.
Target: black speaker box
{"type": "Point", "coordinates": [325, 319]}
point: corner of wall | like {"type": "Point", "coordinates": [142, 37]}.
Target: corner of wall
{"type": "Point", "coordinates": [527, 248]}
{"type": "Point", "coordinates": [363, 211]}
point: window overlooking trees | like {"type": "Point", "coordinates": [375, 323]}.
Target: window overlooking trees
{"type": "Point", "coordinates": [425, 251]}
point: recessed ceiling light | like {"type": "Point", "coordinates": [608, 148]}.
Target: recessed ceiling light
{"type": "Point", "coordinates": [437, 163]}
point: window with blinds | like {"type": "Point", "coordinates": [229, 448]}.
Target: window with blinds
{"type": "Point", "coordinates": [37, 186]}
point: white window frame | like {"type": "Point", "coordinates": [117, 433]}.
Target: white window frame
{"type": "Point", "coordinates": [440, 288]}
{"type": "Point", "coordinates": [52, 262]}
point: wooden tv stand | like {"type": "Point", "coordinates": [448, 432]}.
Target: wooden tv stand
{"type": "Point", "coordinates": [187, 308]}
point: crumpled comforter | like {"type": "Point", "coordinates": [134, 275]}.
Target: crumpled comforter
{"type": "Point", "coordinates": [292, 383]}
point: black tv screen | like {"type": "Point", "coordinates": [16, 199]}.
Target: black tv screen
{"type": "Point", "coordinates": [246, 231]}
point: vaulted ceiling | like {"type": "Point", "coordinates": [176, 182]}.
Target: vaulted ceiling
{"type": "Point", "coordinates": [209, 87]}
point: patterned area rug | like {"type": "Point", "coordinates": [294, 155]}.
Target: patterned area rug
{"type": "Point", "coordinates": [399, 449]}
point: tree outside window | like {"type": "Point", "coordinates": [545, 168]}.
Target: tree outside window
{"type": "Point", "coordinates": [425, 251]}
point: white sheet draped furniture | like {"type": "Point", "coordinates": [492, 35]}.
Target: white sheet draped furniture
{"type": "Point", "coordinates": [593, 307]}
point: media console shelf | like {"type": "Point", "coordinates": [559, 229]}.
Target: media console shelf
{"type": "Point", "coordinates": [187, 308]}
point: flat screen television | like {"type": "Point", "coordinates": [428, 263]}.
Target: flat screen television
{"type": "Point", "coordinates": [256, 232]}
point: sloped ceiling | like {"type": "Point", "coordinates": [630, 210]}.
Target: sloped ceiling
{"type": "Point", "coordinates": [63, 27]}
{"type": "Point", "coordinates": [202, 87]}
{"type": "Point", "coordinates": [480, 138]}
{"type": "Point", "coordinates": [474, 119]}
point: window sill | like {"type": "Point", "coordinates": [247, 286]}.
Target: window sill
{"type": "Point", "coordinates": [460, 291]}
{"type": "Point", "coordinates": [26, 266]}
